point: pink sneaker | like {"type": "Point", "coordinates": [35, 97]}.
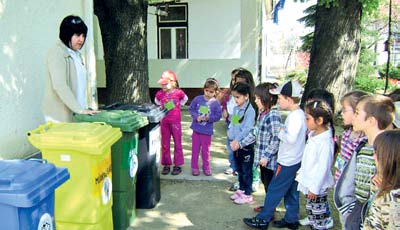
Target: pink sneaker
{"type": "Point", "coordinates": [244, 199]}
{"type": "Point", "coordinates": [238, 194]}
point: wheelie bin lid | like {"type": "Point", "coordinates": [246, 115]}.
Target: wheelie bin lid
{"type": "Point", "coordinates": [153, 112]}
{"type": "Point", "coordinates": [126, 120]}
{"type": "Point", "coordinates": [24, 183]}
{"type": "Point", "coordinates": [87, 137]}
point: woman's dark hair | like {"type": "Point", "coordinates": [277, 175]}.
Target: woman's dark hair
{"type": "Point", "coordinates": [262, 91]}
{"type": "Point", "coordinates": [69, 26]}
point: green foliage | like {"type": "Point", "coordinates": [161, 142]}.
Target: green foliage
{"type": "Point", "coordinates": [300, 76]}
{"type": "Point", "coordinates": [365, 64]}
{"type": "Point", "coordinates": [394, 72]}
{"type": "Point", "coordinates": [307, 42]}
{"type": "Point", "coordinates": [371, 84]}
{"type": "Point", "coordinates": [368, 6]}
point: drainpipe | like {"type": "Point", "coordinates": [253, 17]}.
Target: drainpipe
{"type": "Point", "coordinates": [90, 58]}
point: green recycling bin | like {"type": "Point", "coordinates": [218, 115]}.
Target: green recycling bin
{"type": "Point", "coordinates": [124, 161]}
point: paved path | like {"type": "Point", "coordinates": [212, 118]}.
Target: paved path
{"type": "Point", "coordinates": [201, 202]}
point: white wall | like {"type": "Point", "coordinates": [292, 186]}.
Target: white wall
{"type": "Point", "coordinates": [27, 30]}
{"type": "Point", "coordinates": [222, 35]}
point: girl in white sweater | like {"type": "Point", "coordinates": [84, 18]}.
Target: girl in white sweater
{"type": "Point", "coordinates": [315, 175]}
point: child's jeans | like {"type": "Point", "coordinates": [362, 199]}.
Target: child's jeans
{"type": "Point", "coordinates": [283, 185]}
{"type": "Point", "coordinates": [231, 157]}
{"type": "Point", "coordinates": [244, 158]}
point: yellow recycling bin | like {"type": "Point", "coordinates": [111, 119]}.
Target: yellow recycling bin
{"type": "Point", "coordinates": [84, 202]}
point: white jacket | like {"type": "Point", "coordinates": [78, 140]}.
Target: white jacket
{"type": "Point", "coordinates": [315, 172]}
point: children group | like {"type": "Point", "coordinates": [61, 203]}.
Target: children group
{"type": "Point", "coordinates": [297, 155]}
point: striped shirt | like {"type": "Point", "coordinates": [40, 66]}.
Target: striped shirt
{"type": "Point", "coordinates": [347, 147]}
{"type": "Point", "coordinates": [265, 134]}
{"type": "Point", "coordinates": [365, 170]}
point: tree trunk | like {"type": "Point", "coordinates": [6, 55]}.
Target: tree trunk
{"type": "Point", "coordinates": [336, 48]}
{"type": "Point", "coordinates": [123, 25]}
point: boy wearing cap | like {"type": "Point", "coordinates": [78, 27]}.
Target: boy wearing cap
{"type": "Point", "coordinates": [171, 98]}
{"type": "Point", "coordinates": [291, 147]}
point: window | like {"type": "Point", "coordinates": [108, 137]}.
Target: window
{"type": "Point", "coordinates": [172, 32]}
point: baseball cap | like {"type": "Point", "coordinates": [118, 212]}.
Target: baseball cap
{"type": "Point", "coordinates": [289, 88]}
{"type": "Point", "coordinates": [166, 77]}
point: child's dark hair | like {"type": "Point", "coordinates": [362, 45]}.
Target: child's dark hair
{"type": "Point", "coordinates": [247, 76]}
{"type": "Point", "coordinates": [320, 108]}
{"type": "Point", "coordinates": [322, 94]}
{"type": "Point", "coordinates": [387, 145]}
{"type": "Point", "coordinates": [69, 26]}
{"type": "Point", "coordinates": [262, 91]}
{"type": "Point", "coordinates": [211, 83]}
{"type": "Point", "coordinates": [241, 88]}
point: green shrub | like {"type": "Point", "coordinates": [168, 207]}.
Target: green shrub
{"type": "Point", "coordinates": [394, 72]}
{"type": "Point", "coordinates": [371, 84]}
{"type": "Point", "coordinates": [300, 76]}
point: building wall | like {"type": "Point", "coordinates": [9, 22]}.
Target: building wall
{"type": "Point", "coordinates": [27, 30]}
{"type": "Point", "coordinates": [221, 38]}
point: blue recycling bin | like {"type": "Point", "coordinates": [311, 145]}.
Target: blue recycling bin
{"type": "Point", "coordinates": [27, 194]}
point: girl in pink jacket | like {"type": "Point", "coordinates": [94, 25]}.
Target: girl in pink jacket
{"type": "Point", "coordinates": [171, 98]}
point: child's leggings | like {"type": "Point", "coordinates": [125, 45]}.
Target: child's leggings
{"type": "Point", "coordinates": [201, 142]}
{"type": "Point", "coordinates": [174, 129]}
{"type": "Point", "coordinates": [318, 211]}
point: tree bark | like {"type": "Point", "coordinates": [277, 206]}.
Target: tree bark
{"type": "Point", "coordinates": [336, 48]}
{"type": "Point", "coordinates": [123, 25]}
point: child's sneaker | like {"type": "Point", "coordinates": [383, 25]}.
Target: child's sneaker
{"type": "Point", "coordinates": [207, 172]}
{"type": "Point", "coordinates": [234, 187]}
{"type": "Point", "coordinates": [329, 223]}
{"type": "Point", "coordinates": [195, 172]}
{"type": "Point", "coordinates": [305, 221]}
{"type": "Point", "coordinates": [228, 171]}
{"type": "Point", "coordinates": [244, 199]}
{"type": "Point", "coordinates": [237, 195]}
{"type": "Point", "coordinates": [255, 185]}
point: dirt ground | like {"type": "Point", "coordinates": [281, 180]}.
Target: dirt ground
{"type": "Point", "coordinates": [202, 202]}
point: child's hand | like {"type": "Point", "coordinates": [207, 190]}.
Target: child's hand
{"type": "Point", "coordinates": [199, 119]}
{"type": "Point", "coordinates": [263, 162]}
{"type": "Point", "coordinates": [225, 113]}
{"type": "Point", "coordinates": [235, 145]}
{"type": "Point", "coordinates": [377, 180]}
{"type": "Point", "coordinates": [311, 196]}
{"type": "Point", "coordinates": [206, 118]}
